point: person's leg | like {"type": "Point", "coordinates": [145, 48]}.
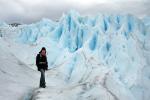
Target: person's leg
{"type": "Point", "coordinates": [42, 79]}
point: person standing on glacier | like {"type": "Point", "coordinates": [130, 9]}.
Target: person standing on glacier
{"type": "Point", "coordinates": [42, 65]}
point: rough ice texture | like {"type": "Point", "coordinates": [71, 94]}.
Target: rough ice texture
{"type": "Point", "coordinates": [102, 57]}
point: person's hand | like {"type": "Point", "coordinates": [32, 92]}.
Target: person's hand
{"type": "Point", "coordinates": [42, 62]}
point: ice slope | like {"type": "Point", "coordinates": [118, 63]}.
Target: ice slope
{"type": "Point", "coordinates": [2, 26]}
{"type": "Point", "coordinates": [146, 20]}
{"type": "Point", "coordinates": [102, 57]}
{"type": "Point", "coordinates": [16, 79]}
{"type": "Point", "coordinates": [39, 29]}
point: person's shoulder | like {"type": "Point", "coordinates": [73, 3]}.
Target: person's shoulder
{"type": "Point", "coordinates": [38, 55]}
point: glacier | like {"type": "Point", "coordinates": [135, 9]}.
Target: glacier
{"type": "Point", "coordinates": [101, 57]}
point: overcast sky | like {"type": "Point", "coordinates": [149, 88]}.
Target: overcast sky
{"type": "Point", "coordinates": [29, 11]}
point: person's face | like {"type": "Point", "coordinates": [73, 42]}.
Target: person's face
{"type": "Point", "coordinates": [43, 53]}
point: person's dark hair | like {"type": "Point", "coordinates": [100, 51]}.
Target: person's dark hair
{"type": "Point", "coordinates": [43, 48]}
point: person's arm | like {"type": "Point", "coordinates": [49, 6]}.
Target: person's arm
{"type": "Point", "coordinates": [37, 61]}
{"type": "Point", "coordinates": [46, 64]}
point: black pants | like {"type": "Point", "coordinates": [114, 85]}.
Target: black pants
{"type": "Point", "coordinates": [42, 79]}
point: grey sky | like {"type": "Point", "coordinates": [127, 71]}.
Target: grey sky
{"type": "Point", "coordinates": [28, 11]}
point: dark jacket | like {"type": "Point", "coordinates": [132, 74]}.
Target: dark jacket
{"type": "Point", "coordinates": [41, 62]}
